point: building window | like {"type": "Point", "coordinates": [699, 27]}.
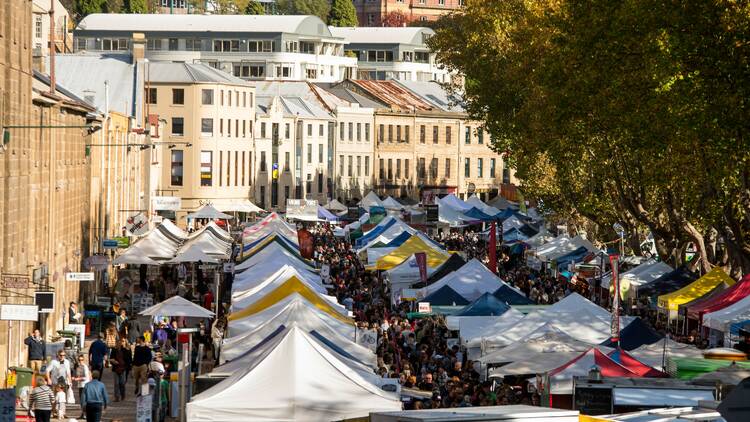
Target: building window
{"type": "Point", "coordinates": [207, 127]}
{"type": "Point", "coordinates": [381, 136]}
{"type": "Point", "coordinates": [207, 96]}
{"type": "Point", "coordinates": [434, 168]}
{"type": "Point", "coordinates": [342, 129]}
{"type": "Point", "coordinates": [390, 133]}
{"type": "Point", "coordinates": [407, 131]}
{"type": "Point", "coordinates": [320, 183]}
{"type": "Point", "coordinates": [367, 132]}
{"type": "Point", "coordinates": [226, 45]}
{"type": "Point", "coordinates": [406, 168]}
{"type": "Point", "coordinates": [244, 181]}
{"type": "Point", "coordinates": [120, 44]}
{"type": "Point", "coordinates": [291, 46]}
{"type": "Point", "coordinates": [262, 129]}
{"type": "Point", "coordinates": [350, 166]}
{"type": "Point", "coordinates": [448, 134]}
{"type": "Point", "coordinates": [422, 56]}
{"type": "Point", "coordinates": [379, 56]}
{"type": "Point", "coordinates": [221, 167]}
{"type": "Point", "coordinates": [307, 47]}
{"type": "Point", "coordinates": [398, 133]}
{"type": "Point", "coordinates": [262, 161]}
{"type": "Point", "coordinates": [178, 126]}
{"type": "Point", "coordinates": [309, 153]}
{"type": "Point", "coordinates": [408, 56]}
{"type": "Point", "coordinates": [259, 46]}
{"type": "Point", "coordinates": [178, 96]}
{"type": "Point", "coordinates": [370, 19]}
{"type": "Point", "coordinates": [321, 131]}
{"type": "Point", "coordinates": [320, 153]}
{"type": "Point", "coordinates": [492, 168]}
{"type": "Point", "coordinates": [173, 44]}
{"type": "Point", "coordinates": [351, 132]}
{"type": "Point", "coordinates": [151, 96]}
{"type": "Point", "coordinates": [467, 167]}
{"type": "Point", "coordinates": [359, 166]}
{"type": "Point", "coordinates": [221, 127]}
{"type": "Point", "coordinates": [467, 140]}
{"type": "Point", "coordinates": [367, 166]}
{"type": "Point", "coordinates": [506, 173]}
{"type": "Point", "coordinates": [309, 129]}
{"type": "Point", "coordinates": [262, 196]}
{"type": "Point", "coordinates": [229, 168]}
{"type": "Point", "coordinates": [176, 167]}
{"type": "Point", "coordinates": [390, 169]}
{"type": "Point", "coordinates": [421, 169]}
{"type": "Point", "coordinates": [154, 44]}
{"type": "Point", "coordinates": [341, 165]}
{"type": "Point", "coordinates": [308, 184]}
{"type": "Point", "coordinates": [249, 70]}
{"type": "Point", "coordinates": [480, 162]}
{"type": "Point", "coordinates": [381, 169]}
{"type": "Point", "coordinates": [422, 134]}
{"type": "Point", "coordinates": [206, 168]}
{"type": "Point", "coordinates": [38, 27]}
{"type": "Point", "coordinates": [359, 132]}
{"type": "Point", "coordinates": [287, 130]}
{"type": "Point", "coordinates": [480, 136]}
{"type": "Point", "coordinates": [193, 44]}
{"type": "Point", "coordinates": [435, 134]}
{"type": "Point", "coordinates": [287, 160]}
{"type": "Point", "coordinates": [283, 71]}
{"type": "Point", "coordinates": [398, 168]}
{"type": "Point", "coordinates": [80, 43]}
{"type": "Point", "coordinates": [447, 168]}
{"type": "Point", "coordinates": [441, 2]}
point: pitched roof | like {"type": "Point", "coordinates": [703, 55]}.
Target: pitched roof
{"type": "Point", "coordinates": [169, 72]}
{"type": "Point", "coordinates": [435, 94]}
{"type": "Point", "coordinates": [394, 95]}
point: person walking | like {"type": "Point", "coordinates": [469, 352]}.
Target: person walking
{"type": "Point", "coordinates": [41, 400]}
{"type": "Point", "coordinates": [81, 376]}
{"type": "Point", "coordinates": [59, 371]}
{"type": "Point", "coordinates": [94, 398]}
{"type": "Point", "coordinates": [120, 362]}
{"type": "Point", "coordinates": [37, 351]}
{"type": "Point", "coordinates": [97, 352]}
{"type": "Point", "coordinates": [141, 360]}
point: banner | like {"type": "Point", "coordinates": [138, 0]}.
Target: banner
{"type": "Point", "coordinates": [613, 262]}
{"type": "Point", "coordinates": [421, 258]}
{"type": "Point", "coordinates": [302, 209]}
{"type": "Point", "coordinates": [367, 338]}
{"type": "Point", "coordinates": [305, 240]}
{"type": "Point", "coordinates": [137, 225]}
{"type": "Point", "coordinates": [493, 247]}
{"type": "Point", "coordinates": [166, 203]}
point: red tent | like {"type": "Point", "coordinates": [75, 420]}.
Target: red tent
{"type": "Point", "coordinates": [627, 360]}
{"type": "Point", "coordinates": [721, 300]}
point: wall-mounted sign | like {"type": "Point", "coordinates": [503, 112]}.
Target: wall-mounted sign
{"type": "Point", "coordinates": [109, 244]}
{"type": "Point", "coordinates": [45, 301]}
{"type": "Point", "coordinates": [166, 203]}
{"type": "Point", "coordinates": [432, 213]}
{"type": "Point", "coordinates": [122, 241]}
{"type": "Point", "coordinates": [19, 312]}
{"type": "Point", "coordinates": [11, 281]}
{"type": "Point", "coordinates": [79, 276]}
{"type": "Point", "coordinates": [424, 307]}
{"type": "Point", "coordinates": [137, 224]}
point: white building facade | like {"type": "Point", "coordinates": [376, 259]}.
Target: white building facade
{"type": "Point", "coordinates": [251, 47]}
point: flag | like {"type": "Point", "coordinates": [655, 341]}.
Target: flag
{"type": "Point", "coordinates": [305, 243]}
{"type": "Point", "coordinates": [493, 247]}
{"type": "Point", "coordinates": [615, 328]}
{"type": "Point", "coordinates": [421, 258]}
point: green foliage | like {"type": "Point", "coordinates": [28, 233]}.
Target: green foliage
{"type": "Point", "coordinates": [342, 13]}
{"type": "Point", "coordinates": [618, 111]}
{"type": "Point", "coordinates": [255, 8]}
{"type": "Point", "coordinates": [318, 8]}
{"type": "Point", "coordinates": [136, 6]}
{"type": "Point", "coordinates": [87, 7]}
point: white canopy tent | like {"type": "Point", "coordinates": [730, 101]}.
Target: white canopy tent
{"type": "Point", "coordinates": [239, 206]}
{"type": "Point", "coordinates": [257, 274]}
{"type": "Point", "coordinates": [562, 245]}
{"type": "Point", "coordinates": [512, 223]}
{"type": "Point", "coordinates": [209, 212]}
{"type": "Point", "coordinates": [134, 257]}
{"type": "Point", "coordinates": [723, 318]}
{"type": "Point", "coordinates": [470, 281]}
{"type": "Point", "coordinates": [169, 226]}
{"type": "Point", "coordinates": [642, 274]}
{"type": "Point", "coordinates": [334, 205]}
{"type": "Point", "coordinates": [244, 298]}
{"type": "Point", "coordinates": [273, 251]}
{"type": "Point", "coordinates": [370, 200]}
{"type": "Point", "coordinates": [390, 233]}
{"type": "Point", "coordinates": [373, 254]}
{"type": "Point", "coordinates": [252, 322]}
{"type": "Point", "coordinates": [298, 380]}
{"type": "Point", "coordinates": [574, 302]}
{"type": "Point", "coordinates": [177, 306]}
{"type": "Point", "coordinates": [472, 329]}
{"type": "Point", "coordinates": [270, 224]}
{"type": "Point", "coordinates": [391, 204]}
{"type": "Point", "coordinates": [454, 202]}
{"type": "Point", "coordinates": [194, 253]}
{"type": "Point", "coordinates": [657, 354]}
{"type": "Point", "coordinates": [475, 202]}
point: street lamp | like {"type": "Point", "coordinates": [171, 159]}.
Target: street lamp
{"type": "Point", "coordinates": [621, 231]}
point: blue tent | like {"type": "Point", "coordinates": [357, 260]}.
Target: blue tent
{"type": "Point", "coordinates": [372, 234]}
{"type": "Point", "coordinates": [324, 214]}
{"type": "Point", "coordinates": [475, 214]}
{"type": "Point", "coordinates": [398, 240]}
{"type": "Point", "coordinates": [635, 335]}
{"type": "Point", "coordinates": [279, 238]}
{"type": "Point", "coordinates": [445, 296]}
{"type": "Point", "coordinates": [508, 213]}
{"type": "Point", "coordinates": [667, 283]}
{"type": "Point", "coordinates": [577, 256]}
{"type": "Point", "coordinates": [514, 235]}
{"type": "Point", "coordinates": [509, 295]}
{"type": "Point", "coordinates": [485, 305]}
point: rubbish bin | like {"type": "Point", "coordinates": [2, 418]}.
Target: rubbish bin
{"type": "Point", "coordinates": [23, 378]}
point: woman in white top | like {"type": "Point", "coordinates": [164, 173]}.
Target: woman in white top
{"type": "Point", "coordinates": [82, 375]}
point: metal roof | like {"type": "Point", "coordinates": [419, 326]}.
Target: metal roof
{"type": "Point", "coordinates": [305, 25]}
{"type": "Point", "coordinates": [394, 95]}
{"type": "Point", "coordinates": [350, 96]}
{"type": "Point", "coordinates": [169, 72]}
{"type": "Point", "coordinates": [115, 69]}
{"type": "Point", "coordinates": [297, 97]}
{"type": "Point", "coordinates": [382, 35]}
{"type": "Point", "coordinates": [435, 94]}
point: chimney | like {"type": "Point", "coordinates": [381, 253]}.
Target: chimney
{"type": "Point", "coordinates": [138, 47]}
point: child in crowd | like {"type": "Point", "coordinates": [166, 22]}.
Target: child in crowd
{"type": "Point", "coordinates": [60, 399]}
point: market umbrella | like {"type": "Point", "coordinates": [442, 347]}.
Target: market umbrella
{"type": "Point", "coordinates": [177, 306]}
{"type": "Point", "coordinates": [208, 211]}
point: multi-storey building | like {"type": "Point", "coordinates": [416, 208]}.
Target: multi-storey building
{"type": "Point", "coordinates": [44, 185]}
{"type": "Point", "coordinates": [250, 47]}
{"type": "Point", "coordinates": [41, 31]}
{"type": "Point", "coordinates": [376, 12]}
{"type": "Point", "coordinates": [392, 53]}
{"type": "Point", "coordinates": [205, 153]}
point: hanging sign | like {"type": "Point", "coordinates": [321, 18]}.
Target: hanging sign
{"type": "Point", "coordinates": [166, 203]}
{"type": "Point", "coordinates": [79, 276]}
{"type": "Point", "coordinates": [10, 312]}
{"type": "Point", "coordinates": [137, 225]}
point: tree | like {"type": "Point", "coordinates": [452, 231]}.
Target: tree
{"type": "Point", "coordinates": [395, 19]}
{"type": "Point", "coordinates": [318, 8]}
{"type": "Point", "coordinates": [342, 13]}
{"type": "Point", "coordinates": [618, 112]}
{"type": "Point", "coordinates": [87, 7]}
{"type": "Point", "coordinates": [255, 8]}
{"type": "Point", "coordinates": [136, 6]}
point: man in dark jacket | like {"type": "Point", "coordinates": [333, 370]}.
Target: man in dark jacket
{"type": "Point", "coordinates": [141, 358]}
{"type": "Point", "coordinates": [121, 361]}
{"type": "Point", "coordinates": [37, 352]}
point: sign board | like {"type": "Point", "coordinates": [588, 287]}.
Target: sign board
{"type": "Point", "coordinates": [137, 224]}
{"type": "Point", "coordinates": [229, 267]}
{"type": "Point", "coordinates": [302, 209]}
{"type": "Point", "coordinates": [19, 313]}
{"type": "Point", "coordinates": [122, 241]}
{"type": "Point", "coordinates": [79, 276]}
{"type": "Point", "coordinates": [103, 301]}
{"type": "Point", "coordinates": [432, 212]}
{"type": "Point", "coordinates": [424, 308]}
{"type": "Point", "coordinates": [352, 213]}
{"type": "Point", "coordinates": [593, 401]}
{"type": "Point", "coordinates": [409, 294]}
{"type": "Point", "coordinates": [143, 405]}
{"type": "Point", "coordinates": [45, 301]}
{"type": "Point", "coordinates": [367, 338]}
{"type": "Point", "coordinates": [325, 272]}
{"type": "Point", "coordinates": [109, 244]}
{"type": "Point", "coordinates": [15, 281]}
{"type": "Point", "coordinates": [8, 405]}
{"type": "Point", "coordinates": [166, 203]}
